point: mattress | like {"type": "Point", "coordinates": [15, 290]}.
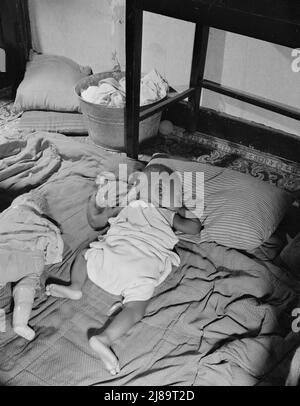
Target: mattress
{"type": "Point", "coordinates": [221, 318]}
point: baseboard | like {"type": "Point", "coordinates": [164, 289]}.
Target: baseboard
{"type": "Point", "coordinates": [239, 132]}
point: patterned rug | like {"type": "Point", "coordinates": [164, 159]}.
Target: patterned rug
{"type": "Point", "coordinates": [195, 146]}
{"type": "Point", "coordinates": [8, 119]}
{"type": "Point", "coordinates": [208, 149]}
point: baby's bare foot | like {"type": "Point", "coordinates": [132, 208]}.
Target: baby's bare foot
{"type": "Point", "coordinates": [68, 292]}
{"type": "Point", "coordinates": [24, 331]}
{"type": "Point", "coordinates": [105, 353]}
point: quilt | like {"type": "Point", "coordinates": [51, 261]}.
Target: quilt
{"type": "Point", "coordinates": [220, 318]}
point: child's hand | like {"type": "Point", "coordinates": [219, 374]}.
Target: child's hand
{"type": "Point", "coordinates": [187, 225]}
{"type": "Point", "coordinates": [92, 203]}
{"type": "Point", "coordinates": [99, 203]}
{"type": "Point", "coordinates": [181, 211]}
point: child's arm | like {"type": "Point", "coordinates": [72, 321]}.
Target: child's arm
{"type": "Point", "coordinates": [186, 225]}
{"type": "Point", "coordinates": [98, 216]}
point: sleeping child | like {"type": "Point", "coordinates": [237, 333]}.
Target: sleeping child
{"type": "Point", "coordinates": [29, 240]}
{"type": "Point", "coordinates": [133, 258]}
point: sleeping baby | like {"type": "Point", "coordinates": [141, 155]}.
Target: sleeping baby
{"type": "Point", "coordinates": [28, 242]}
{"type": "Point", "coordinates": [134, 257]}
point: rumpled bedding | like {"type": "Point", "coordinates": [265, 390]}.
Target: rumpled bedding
{"type": "Point", "coordinates": [220, 318]}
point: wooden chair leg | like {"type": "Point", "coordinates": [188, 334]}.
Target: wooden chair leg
{"type": "Point", "coordinates": [134, 30]}
{"type": "Point", "coordinates": [197, 72]}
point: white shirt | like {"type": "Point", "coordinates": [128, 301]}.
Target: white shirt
{"type": "Point", "coordinates": [137, 253]}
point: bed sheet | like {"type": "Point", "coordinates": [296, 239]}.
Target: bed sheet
{"type": "Point", "coordinates": [221, 318]}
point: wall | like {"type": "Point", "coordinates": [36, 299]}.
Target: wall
{"type": "Point", "coordinates": [84, 30]}
{"type": "Point", "coordinates": [257, 67]}
{"type": "Point", "coordinates": [79, 29]}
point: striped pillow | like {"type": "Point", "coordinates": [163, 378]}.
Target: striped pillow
{"type": "Point", "coordinates": [52, 121]}
{"type": "Point", "coordinates": [240, 211]}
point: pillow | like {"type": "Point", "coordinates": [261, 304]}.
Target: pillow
{"type": "Point", "coordinates": [52, 121]}
{"type": "Point", "coordinates": [49, 84]}
{"type": "Point", "coordinates": [239, 211]}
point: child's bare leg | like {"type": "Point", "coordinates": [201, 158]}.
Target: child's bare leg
{"type": "Point", "coordinates": [131, 313]}
{"type": "Point", "coordinates": [78, 277]}
{"type": "Point", "coordinates": [23, 301]}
